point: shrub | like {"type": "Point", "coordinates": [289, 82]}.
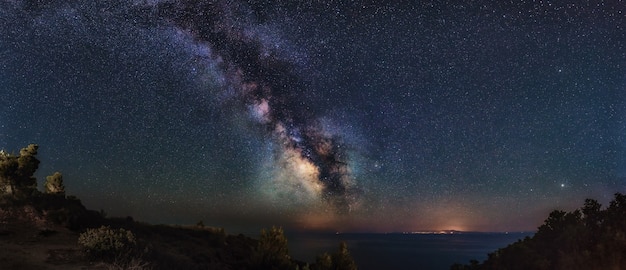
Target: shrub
{"type": "Point", "coordinates": [108, 244]}
{"type": "Point", "coordinates": [54, 184]}
{"type": "Point", "coordinates": [272, 250]}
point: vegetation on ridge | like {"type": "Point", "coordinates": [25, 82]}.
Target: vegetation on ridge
{"type": "Point", "coordinates": [123, 243]}
{"type": "Point", "coordinates": [587, 238]}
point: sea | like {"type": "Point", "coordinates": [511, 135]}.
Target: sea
{"type": "Point", "coordinates": [403, 250]}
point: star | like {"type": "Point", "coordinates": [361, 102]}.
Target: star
{"type": "Point", "coordinates": [371, 120]}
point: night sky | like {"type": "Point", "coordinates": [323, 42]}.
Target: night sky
{"type": "Point", "coordinates": [334, 115]}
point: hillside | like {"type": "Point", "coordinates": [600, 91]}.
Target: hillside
{"type": "Point", "coordinates": [587, 238]}
{"type": "Point", "coordinates": [49, 230]}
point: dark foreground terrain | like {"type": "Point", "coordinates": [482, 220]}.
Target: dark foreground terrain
{"type": "Point", "coordinates": [587, 238]}
{"type": "Point", "coordinates": [49, 230]}
{"type": "Point", "coordinates": [26, 247]}
{"type": "Point", "coordinates": [43, 231]}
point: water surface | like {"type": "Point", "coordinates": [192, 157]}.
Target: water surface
{"type": "Point", "coordinates": [403, 251]}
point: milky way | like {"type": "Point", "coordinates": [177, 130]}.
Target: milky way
{"type": "Point", "coordinates": [268, 87]}
{"type": "Point", "coordinates": [355, 115]}
{"type": "Point", "coordinates": [311, 165]}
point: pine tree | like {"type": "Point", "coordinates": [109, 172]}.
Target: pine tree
{"type": "Point", "coordinates": [273, 249]}
{"type": "Point", "coordinates": [27, 166]}
{"type": "Point", "coordinates": [16, 172]}
{"type": "Point", "coordinates": [8, 172]}
{"type": "Point", "coordinates": [342, 259]}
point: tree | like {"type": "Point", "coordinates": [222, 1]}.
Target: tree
{"type": "Point", "coordinates": [27, 166]}
{"type": "Point", "coordinates": [54, 184]}
{"type": "Point", "coordinates": [592, 214]}
{"type": "Point", "coordinates": [342, 260]}
{"type": "Point", "coordinates": [323, 262]}
{"type": "Point", "coordinates": [273, 250]}
{"type": "Point", "coordinates": [16, 172]}
{"type": "Point", "coordinates": [617, 211]}
{"type": "Point", "coordinates": [8, 172]}
{"type": "Point", "coordinates": [587, 238]}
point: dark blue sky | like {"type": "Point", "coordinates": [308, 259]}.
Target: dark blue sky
{"type": "Point", "coordinates": [343, 116]}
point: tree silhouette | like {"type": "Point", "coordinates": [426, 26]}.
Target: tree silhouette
{"type": "Point", "coordinates": [342, 259]}
{"type": "Point", "coordinates": [115, 242]}
{"type": "Point", "coordinates": [587, 238]}
{"type": "Point", "coordinates": [16, 172]}
{"type": "Point", "coordinates": [8, 172]}
{"type": "Point", "coordinates": [323, 262]}
{"type": "Point", "coordinates": [272, 249]}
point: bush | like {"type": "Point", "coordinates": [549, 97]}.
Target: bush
{"type": "Point", "coordinates": [54, 184]}
{"type": "Point", "coordinates": [272, 250]}
{"type": "Point", "coordinates": [108, 244]}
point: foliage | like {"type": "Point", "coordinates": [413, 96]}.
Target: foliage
{"type": "Point", "coordinates": [16, 172]}
{"type": "Point", "coordinates": [54, 184]}
{"type": "Point", "coordinates": [8, 172]}
{"type": "Point", "coordinates": [272, 249]}
{"type": "Point", "coordinates": [323, 262]}
{"type": "Point", "coordinates": [272, 253]}
{"type": "Point", "coordinates": [107, 244]}
{"type": "Point", "coordinates": [341, 260]}
{"type": "Point", "coordinates": [587, 238]}
{"type": "Point", "coordinates": [199, 247]}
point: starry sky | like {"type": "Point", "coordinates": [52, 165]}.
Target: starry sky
{"type": "Point", "coordinates": [333, 115]}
